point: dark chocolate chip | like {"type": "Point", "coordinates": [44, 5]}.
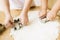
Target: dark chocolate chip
{"type": "Point", "coordinates": [15, 21]}
{"type": "Point", "coordinates": [18, 19]}
{"type": "Point", "coordinates": [15, 28]}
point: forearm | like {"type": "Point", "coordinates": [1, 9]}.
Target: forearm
{"type": "Point", "coordinates": [6, 7]}
{"type": "Point", "coordinates": [27, 5]}
{"type": "Point", "coordinates": [56, 7]}
{"type": "Point", "coordinates": [44, 4]}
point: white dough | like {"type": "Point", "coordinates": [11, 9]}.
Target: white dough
{"type": "Point", "coordinates": [36, 30]}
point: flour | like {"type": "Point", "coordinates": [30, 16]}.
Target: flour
{"type": "Point", "coordinates": [36, 30]}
